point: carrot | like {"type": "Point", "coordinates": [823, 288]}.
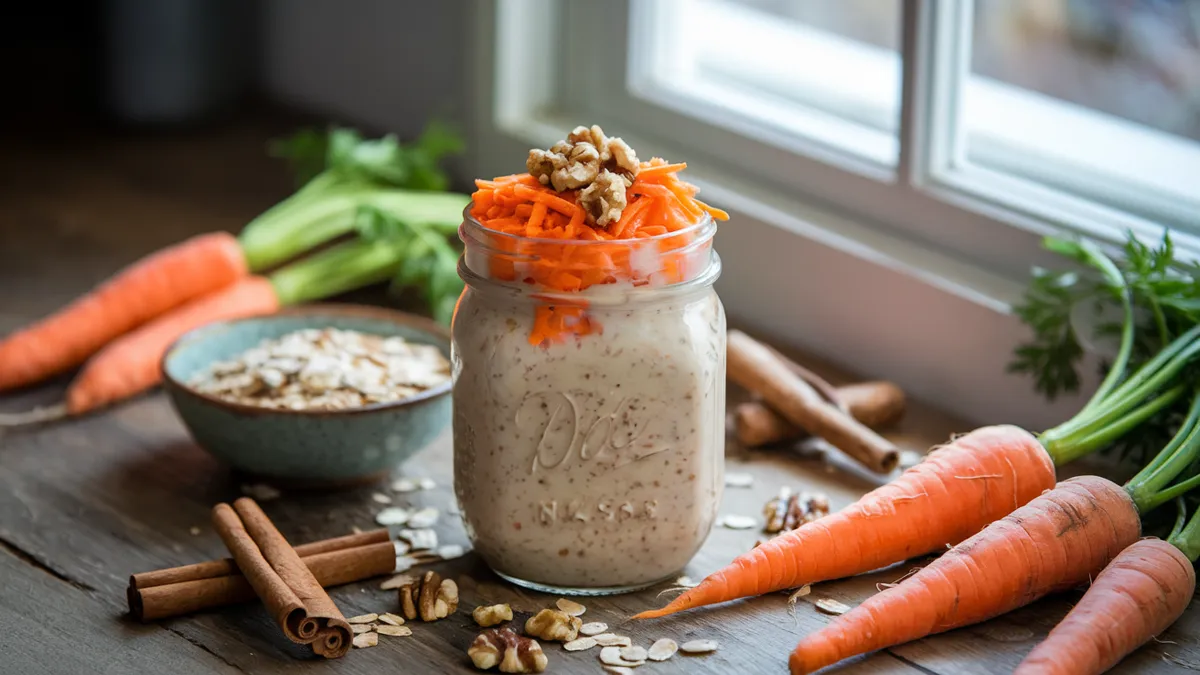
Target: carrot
{"type": "Point", "coordinates": [950, 496]}
{"type": "Point", "coordinates": [1051, 544]}
{"type": "Point", "coordinates": [131, 364]}
{"type": "Point", "coordinates": [1137, 596]}
{"type": "Point", "coordinates": [140, 292]}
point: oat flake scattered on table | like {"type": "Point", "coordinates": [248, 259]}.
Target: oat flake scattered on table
{"type": "Point", "coordinates": [325, 369]}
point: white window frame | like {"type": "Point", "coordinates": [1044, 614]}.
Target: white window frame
{"type": "Point", "coordinates": [886, 288]}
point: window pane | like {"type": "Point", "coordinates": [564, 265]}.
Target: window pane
{"type": "Point", "coordinates": [827, 70]}
{"type": "Point", "coordinates": [1100, 97]}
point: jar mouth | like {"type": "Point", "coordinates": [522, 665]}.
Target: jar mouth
{"type": "Point", "coordinates": [706, 225]}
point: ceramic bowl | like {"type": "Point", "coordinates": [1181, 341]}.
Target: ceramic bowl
{"type": "Point", "coordinates": [306, 448]}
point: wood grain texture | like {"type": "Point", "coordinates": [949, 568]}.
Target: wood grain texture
{"type": "Point", "coordinates": [86, 503]}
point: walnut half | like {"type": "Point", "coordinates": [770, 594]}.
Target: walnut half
{"type": "Point", "coordinates": [490, 615]}
{"type": "Point", "coordinates": [554, 625]}
{"type": "Point", "coordinates": [503, 647]}
{"type": "Point", "coordinates": [431, 598]}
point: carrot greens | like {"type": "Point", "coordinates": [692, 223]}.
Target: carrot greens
{"type": "Point", "coordinates": [1158, 299]}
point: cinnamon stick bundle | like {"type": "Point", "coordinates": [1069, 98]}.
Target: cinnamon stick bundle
{"type": "Point", "coordinates": [876, 404]}
{"type": "Point", "coordinates": [291, 593]}
{"type": "Point", "coordinates": [182, 590]}
{"type": "Point", "coordinates": [759, 369]}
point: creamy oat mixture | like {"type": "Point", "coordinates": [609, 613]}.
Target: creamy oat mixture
{"type": "Point", "coordinates": [325, 369]}
{"type": "Point", "coordinates": [596, 462]}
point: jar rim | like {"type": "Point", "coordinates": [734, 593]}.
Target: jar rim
{"type": "Point", "coordinates": [706, 222]}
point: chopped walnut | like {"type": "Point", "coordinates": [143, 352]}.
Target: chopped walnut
{"type": "Point", "coordinates": [431, 598]}
{"type": "Point", "coordinates": [503, 647]}
{"type": "Point", "coordinates": [588, 157]}
{"type": "Point", "coordinates": [789, 511]}
{"type": "Point", "coordinates": [492, 614]}
{"type": "Point", "coordinates": [604, 200]}
{"type": "Point", "coordinates": [554, 625]}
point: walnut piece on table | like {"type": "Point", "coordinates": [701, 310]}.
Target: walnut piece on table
{"type": "Point", "coordinates": [512, 652]}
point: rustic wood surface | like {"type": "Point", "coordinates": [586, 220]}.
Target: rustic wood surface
{"type": "Point", "coordinates": [85, 503]}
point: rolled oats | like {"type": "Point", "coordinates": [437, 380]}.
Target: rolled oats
{"type": "Point", "coordinates": [325, 369]}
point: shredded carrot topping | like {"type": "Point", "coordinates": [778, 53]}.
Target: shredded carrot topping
{"type": "Point", "coordinates": [658, 203]}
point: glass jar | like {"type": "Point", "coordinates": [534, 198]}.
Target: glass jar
{"type": "Point", "coordinates": [589, 424]}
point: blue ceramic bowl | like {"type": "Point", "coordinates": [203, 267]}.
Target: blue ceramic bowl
{"type": "Point", "coordinates": [306, 448]}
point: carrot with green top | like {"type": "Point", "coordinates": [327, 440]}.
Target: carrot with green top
{"type": "Point", "coordinates": [130, 365]}
{"type": "Point", "coordinates": [1056, 542]}
{"type": "Point", "coordinates": [355, 173]}
{"type": "Point", "coordinates": [963, 486]}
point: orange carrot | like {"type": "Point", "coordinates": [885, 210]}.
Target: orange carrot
{"type": "Point", "coordinates": [1137, 596]}
{"type": "Point", "coordinates": [1051, 544]}
{"type": "Point", "coordinates": [954, 493]}
{"type": "Point", "coordinates": [130, 364]}
{"type": "Point", "coordinates": [140, 292]}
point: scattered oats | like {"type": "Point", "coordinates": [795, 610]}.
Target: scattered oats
{"type": "Point", "coordinates": [451, 551]}
{"type": "Point", "coordinates": [611, 656]}
{"type": "Point", "coordinates": [618, 670]}
{"type": "Point", "coordinates": [392, 516]}
{"type": "Point", "coordinates": [739, 480]}
{"type": "Point", "coordinates": [662, 649]}
{"type": "Point", "coordinates": [580, 644]}
{"type": "Point", "coordinates": [698, 646]}
{"type": "Point", "coordinates": [396, 582]}
{"type": "Point", "coordinates": [634, 653]}
{"type": "Point", "coordinates": [735, 522]}
{"type": "Point", "coordinates": [612, 640]}
{"type": "Point", "coordinates": [570, 607]}
{"type": "Point", "coordinates": [831, 606]}
{"type": "Point", "coordinates": [401, 547]}
{"type": "Point", "coordinates": [354, 529]}
{"type": "Point", "coordinates": [195, 531]}
{"type": "Point", "coordinates": [366, 640]}
{"type": "Point", "coordinates": [381, 498]}
{"type": "Point", "coordinates": [593, 628]}
{"type": "Point", "coordinates": [426, 484]}
{"type": "Point", "coordinates": [391, 619]}
{"type": "Point", "coordinates": [910, 458]}
{"type": "Point", "coordinates": [395, 631]}
{"type": "Point", "coordinates": [405, 563]}
{"type": "Point", "coordinates": [362, 628]}
{"type": "Point", "coordinates": [424, 518]}
{"type": "Point", "coordinates": [421, 540]}
{"type": "Point", "coordinates": [799, 593]}
{"type": "Point", "coordinates": [404, 485]}
{"type": "Point", "coordinates": [363, 618]}
{"type": "Point", "coordinates": [687, 582]}
{"type": "Point", "coordinates": [261, 492]}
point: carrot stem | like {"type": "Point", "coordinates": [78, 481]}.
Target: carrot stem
{"type": "Point", "coordinates": [345, 267]}
{"type": "Point", "coordinates": [1084, 445]}
{"type": "Point", "coordinates": [1187, 539]}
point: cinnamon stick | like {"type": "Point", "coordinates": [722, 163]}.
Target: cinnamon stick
{"type": "Point", "coordinates": [291, 593]}
{"type": "Point", "coordinates": [877, 404]}
{"type": "Point", "coordinates": [758, 368]}
{"type": "Point", "coordinates": [183, 590]}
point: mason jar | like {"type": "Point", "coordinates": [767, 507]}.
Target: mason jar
{"type": "Point", "coordinates": [589, 414]}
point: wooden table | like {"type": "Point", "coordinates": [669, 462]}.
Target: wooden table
{"type": "Point", "coordinates": [85, 503]}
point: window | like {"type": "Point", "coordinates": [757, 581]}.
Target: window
{"type": "Point", "coordinates": [880, 157]}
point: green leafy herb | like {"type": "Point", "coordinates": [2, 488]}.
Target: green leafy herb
{"type": "Point", "coordinates": [1160, 299]}
{"type": "Point", "coordinates": [430, 261]}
